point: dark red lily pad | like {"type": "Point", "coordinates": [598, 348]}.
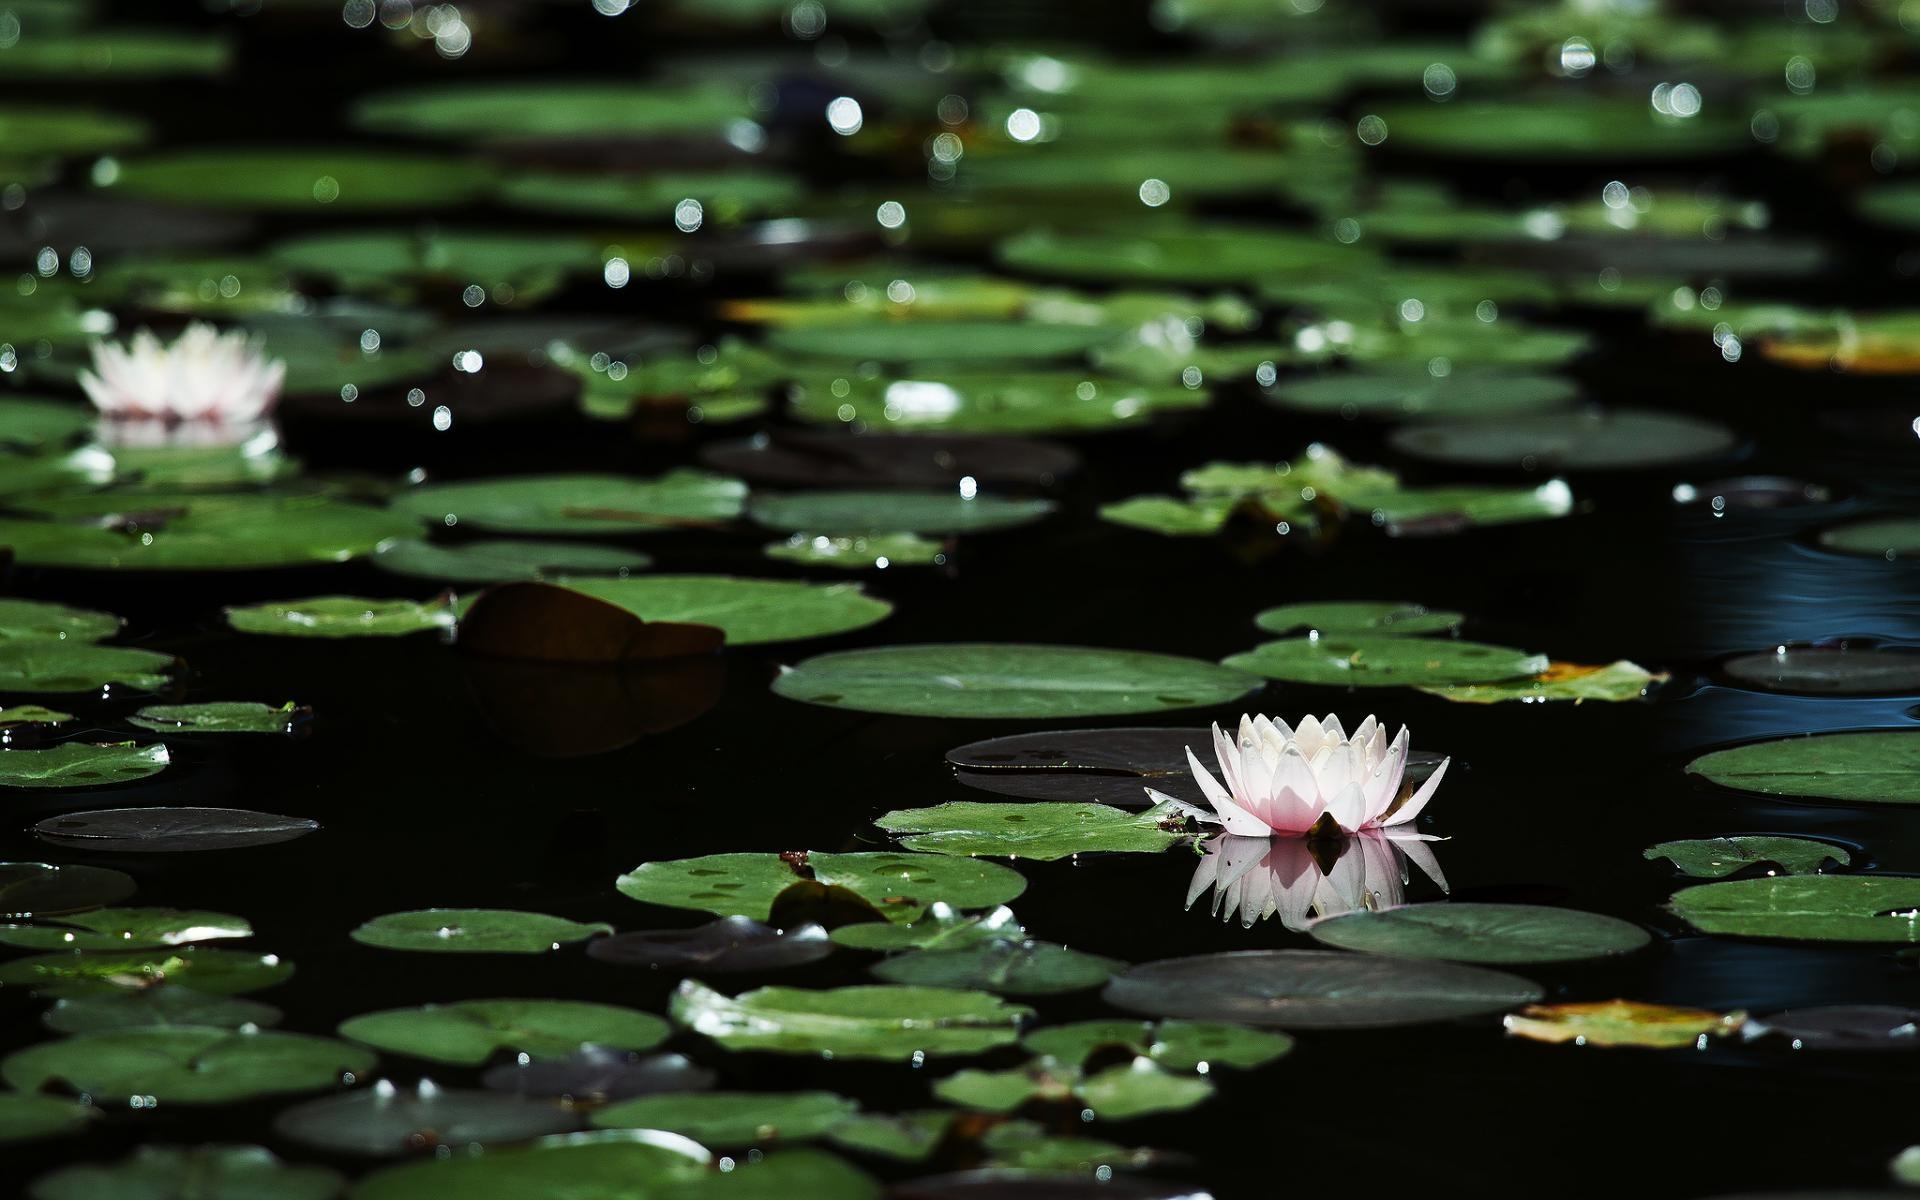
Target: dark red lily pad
{"type": "Point", "coordinates": [729, 945]}
{"type": "Point", "coordinates": [385, 1121]}
{"type": "Point", "coordinates": [810, 459]}
{"type": "Point", "coordinates": [1847, 1027]}
{"type": "Point", "coordinates": [170, 830]}
{"type": "Point", "coordinates": [597, 1075]}
{"type": "Point", "coordinates": [548, 624]}
{"type": "Point", "coordinates": [29, 890]}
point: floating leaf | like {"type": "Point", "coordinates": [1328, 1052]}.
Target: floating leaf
{"type": "Point", "coordinates": [186, 1066]}
{"type": "Point", "coordinates": [728, 945]}
{"type": "Point", "coordinates": [1825, 908]}
{"type": "Point", "coordinates": [1592, 440]}
{"type": "Point", "coordinates": [78, 765]}
{"type": "Point", "coordinates": [851, 513]}
{"type": "Point", "coordinates": [578, 504]}
{"type": "Point", "coordinates": [1114, 766]}
{"type": "Point", "coordinates": [939, 928]}
{"type": "Point", "coordinates": [538, 622]}
{"type": "Point", "coordinates": [170, 830]}
{"type": "Point", "coordinates": [1486, 393]}
{"type": "Point", "coordinates": [1620, 680]}
{"type": "Point", "coordinates": [162, 1006]}
{"type": "Point", "coordinates": [33, 425]}
{"type": "Point", "coordinates": [121, 54]}
{"type": "Point", "coordinates": [1876, 767]}
{"type": "Point", "coordinates": [1572, 127]}
{"type": "Point", "coordinates": [280, 180]}
{"type": "Point", "coordinates": [1315, 989]}
{"type": "Point", "coordinates": [386, 1122]}
{"type": "Point", "coordinates": [29, 1118]}
{"type": "Point", "coordinates": [829, 458]}
{"type": "Point", "coordinates": [1140, 1089]}
{"type": "Point", "coordinates": [123, 929]}
{"type": "Point", "coordinates": [342, 617]}
{"type": "Point", "coordinates": [191, 531]}
{"type": "Point", "coordinates": [980, 402]}
{"type": "Point", "coordinates": [899, 885]}
{"type": "Point", "coordinates": [1038, 831]}
{"type": "Point", "coordinates": [1717, 858]}
{"type": "Point", "coordinates": [551, 110]}
{"type": "Point", "coordinates": [1827, 670]}
{"type": "Point", "coordinates": [497, 561]}
{"type": "Point", "coordinates": [472, 1031]}
{"type": "Point", "coordinates": [1350, 617]}
{"type": "Point", "coordinates": [907, 1137]}
{"type": "Point", "coordinates": [1006, 680]}
{"type": "Point", "coordinates": [1622, 1023]}
{"type": "Point", "coordinates": [728, 1119]}
{"type": "Point", "coordinates": [1843, 1027]}
{"type": "Point", "coordinates": [1175, 1045]}
{"type": "Point", "coordinates": [1013, 968]}
{"type": "Point", "coordinates": [38, 619]}
{"type": "Point", "coordinates": [1883, 537]}
{"type": "Point", "coordinates": [891, 1023]}
{"type": "Point", "coordinates": [1026, 1146]}
{"type": "Point", "coordinates": [1376, 661]}
{"type": "Point", "coordinates": [190, 1172]}
{"type": "Point", "coordinates": [31, 714]}
{"type": "Point", "coordinates": [966, 342]}
{"type": "Point", "coordinates": [859, 553]}
{"type": "Point", "coordinates": [614, 1164]}
{"type": "Point", "coordinates": [597, 1075]}
{"type": "Point", "coordinates": [1481, 933]}
{"type": "Point", "coordinates": [1045, 1185]}
{"type": "Point", "coordinates": [473, 931]}
{"type": "Point", "coordinates": [219, 972]}
{"type": "Point", "coordinates": [52, 665]}
{"type": "Point", "coordinates": [1198, 254]}
{"type": "Point", "coordinates": [219, 716]}
{"type": "Point", "coordinates": [29, 890]}
{"type": "Point", "coordinates": [748, 611]}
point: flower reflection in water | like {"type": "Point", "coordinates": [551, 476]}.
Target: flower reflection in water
{"type": "Point", "coordinates": [1302, 879]}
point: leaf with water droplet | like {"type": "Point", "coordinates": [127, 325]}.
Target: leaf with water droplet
{"type": "Point", "coordinates": [733, 1119]}
{"type": "Point", "coordinates": [1717, 858]}
{"type": "Point", "coordinates": [186, 1066]}
{"type": "Point", "coordinates": [1827, 908]}
{"type": "Point", "coordinates": [1376, 661]}
{"type": "Point", "coordinates": [470, 1032]}
{"type": "Point", "coordinates": [124, 929]}
{"type": "Point", "coordinates": [1873, 767]}
{"type": "Point", "coordinates": [343, 617]}
{"type": "Point", "coordinates": [474, 931]}
{"type": "Point", "coordinates": [387, 1122]}
{"type": "Point", "coordinates": [1622, 1023]}
{"type": "Point", "coordinates": [878, 1022]}
{"type": "Point", "coordinates": [219, 716]}
{"type": "Point", "coordinates": [1040, 831]}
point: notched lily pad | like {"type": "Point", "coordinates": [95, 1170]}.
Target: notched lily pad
{"type": "Point", "coordinates": [1173, 1044]}
{"type": "Point", "coordinates": [732, 1119]}
{"type": "Point", "coordinates": [500, 560]}
{"type": "Point", "coordinates": [1376, 661]}
{"type": "Point", "coordinates": [98, 973]}
{"type": "Point", "coordinates": [122, 929]}
{"type": "Point", "coordinates": [1828, 670]}
{"type": "Point", "coordinates": [162, 1006]}
{"type": "Point", "coordinates": [1358, 617]}
{"type": "Point", "coordinates": [1013, 968]}
{"type": "Point", "coordinates": [899, 886]}
{"type": "Point", "coordinates": [747, 611]}
{"type": "Point", "coordinates": [597, 1075]}
{"type": "Point", "coordinates": [470, 1032]}
{"type": "Point", "coordinates": [170, 830]}
{"type": "Point", "coordinates": [1717, 858]}
{"type": "Point", "coordinates": [474, 931]}
{"type": "Point", "coordinates": [802, 458]}
{"type": "Point", "coordinates": [731, 944]}
{"type": "Point", "coordinates": [1823, 908]}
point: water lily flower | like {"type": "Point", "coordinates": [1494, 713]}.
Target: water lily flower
{"type": "Point", "coordinates": [1254, 878]}
{"type": "Point", "coordinates": [1288, 782]}
{"type": "Point", "coordinates": [204, 375]}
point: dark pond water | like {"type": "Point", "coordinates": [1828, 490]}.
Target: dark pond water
{"type": "Point", "coordinates": [429, 795]}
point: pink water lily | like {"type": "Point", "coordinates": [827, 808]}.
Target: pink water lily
{"type": "Point", "coordinates": [204, 375]}
{"type": "Point", "coordinates": [1282, 782]}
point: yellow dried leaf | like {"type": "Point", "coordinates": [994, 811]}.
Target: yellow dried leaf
{"type": "Point", "coordinates": [1621, 1023]}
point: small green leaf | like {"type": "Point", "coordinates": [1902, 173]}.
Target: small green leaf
{"type": "Point", "coordinates": [473, 931]}
{"type": "Point", "coordinates": [343, 617]}
{"type": "Point", "coordinates": [78, 765]}
{"type": "Point", "coordinates": [218, 716]}
{"type": "Point", "coordinates": [472, 1031]}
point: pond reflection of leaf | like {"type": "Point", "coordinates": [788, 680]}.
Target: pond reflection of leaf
{"type": "Point", "coordinates": [566, 711]}
{"type": "Point", "coordinates": [1302, 879]}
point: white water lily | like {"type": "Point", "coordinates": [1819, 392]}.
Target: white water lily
{"type": "Point", "coordinates": [204, 375]}
{"type": "Point", "coordinates": [1286, 782]}
{"type": "Point", "coordinates": [1253, 878]}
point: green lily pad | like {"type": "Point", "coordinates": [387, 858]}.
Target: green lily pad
{"type": "Point", "coordinates": [30, 1118]}
{"type": "Point", "coordinates": [33, 425]}
{"type": "Point", "coordinates": [1006, 967]}
{"type": "Point", "coordinates": [97, 973]}
{"type": "Point", "coordinates": [1413, 391]}
{"type": "Point", "coordinates": [851, 513]}
{"type": "Point", "coordinates": [473, 931]}
{"type": "Point", "coordinates": [1482, 933]}
{"type": "Point", "coordinates": [1875, 767]}
{"type": "Point", "coordinates": [1363, 661]}
{"type": "Point", "coordinates": [906, 1137]}
{"type": "Point", "coordinates": [899, 885]}
{"type": "Point", "coordinates": [69, 665]}
{"type": "Point", "coordinates": [472, 1031]}
{"type": "Point", "coordinates": [123, 929]}
{"type": "Point", "coordinates": [725, 197]}
{"type": "Point", "coordinates": [196, 532]}
{"type": "Point", "coordinates": [502, 560]}
{"type": "Point", "coordinates": [32, 714]}
{"type": "Point", "coordinates": [1009, 680]}
{"type": "Point", "coordinates": [546, 110]}
{"type": "Point", "coordinates": [1026, 1146]}
{"type": "Point", "coordinates": [218, 716]}
{"type": "Point", "coordinates": [969, 342]}
{"type": "Point", "coordinates": [31, 130]}
{"type": "Point", "coordinates": [342, 617]}
{"type": "Point", "coordinates": [1041, 831]}
{"type": "Point", "coordinates": [859, 553]}
{"type": "Point", "coordinates": [281, 180]}
{"type": "Point", "coordinates": [728, 1119]}
{"type": "Point", "coordinates": [1196, 254]}
{"type": "Point", "coordinates": [1174, 1045]}
{"type": "Point", "coordinates": [889, 1023]}
{"type": "Point", "coordinates": [1615, 681]}
{"type": "Point", "coordinates": [123, 54]}
{"type": "Point", "coordinates": [78, 764]}
{"type": "Point", "coordinates": [1826, 908]}
{"type": "Point", "coordinates": [941, 927]}
{"type": "Point", "coordinates": [39, 620]}
{"type": "Point", "coordinates": [164, 1006]}
{"type": "Point", "coordinates": [1881, 537]}
{"type": "Point", "coordinates": [748, 611]}
{"type": "Point", "coordinates": [186, 1066]}
{"type": "Point", "coordinates": [32, 890]}
{"type": "Point", "coordinates": [1119, 1093]}
{"type": "Point", "coordinates": [578, 504]}
{"type": "Point", "coordinates": [1341, 618]}
{"type": "Point", "coordinates": [1717, 858]}
{"type": "Point", "coordinates": [1572, 127]}
{"type": "Point", "coordinates": [381, 258]}
{"type": "Point", "coordinates": [192, 1173]}
{"type": "Point", "coordinates": [1616, 439]}
{"type": "Point", "coordinates": [1172, 517]}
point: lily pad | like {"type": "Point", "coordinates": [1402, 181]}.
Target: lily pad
{"type": "Point", "coordinates": [79, 764]}
{"type": "Point", "coordinates": [163, 1006]}
{"type": "Point", "coordinates": [1590, 440]}
{"type": "Point", "coordinates": [274, 179]}
{"type": "Point", "coordinates": [1827, 671]}
{"type": "Point", "coordinates": [30, 1118]}
{"type": "Point", "coordinates": [31, 714]}
{"type": "Point", "coordinates": [192, 1173]}
{"type": "Point", "coordinates": [968, 342]}
{"type": "Point", "coordinates": [728, 945]}
{"type": "Point", "coordinates": [186, 1066]}
{"type": "Point", "coordinates": [39, 619]}
{"type": "Point", "coordinates": [598, 1075]}
{"type": "Point", "coordinates": [1375, 661]}
{"type": "Point", "coordinates": [29, 890]}
{"type": "Point", "coordinates": [382, 260]}
{"type": "Point", "coordinates": [1196, 254]}
{"type": "Point", "coordinates": [859, 553]}
{"type": "Point", "coordinates": [955, 401]}
{"type": "Point", "coordinates": [170, 830]}
{"type": "Point", "coordinates": [1341, 618]}
{"type": "Point", "coordinates": [121, 929]}
{"type": "Point", "coordinates": [728, 1119]}
{"type": "Point", "coordinates": [1843, 1027]}
{"type": "Point", "coordinates": [543, 111]}
{"type": "Point", "coordinates": [166, 531]}
{"type": "Point", "coordinates": [1113, 766]}
{"type": "Point", "coordinates": [474, 931]}
{"type": "Point", "coordinates": [941, 927]}
{"type": "Point", "coordinates": [66, 665]}
{"type": "Point", "coordinates": [1826, 908]}
{"type": "Point", "coordinates": [1573, 127]}
{"type": "Point", "coordinates": [814, 458]}
{"type": "Point", "coordinates": [889, 1023]}
{"type": "Point", "coordinates": [342, 617]}
{"type": "Point", "coordinates": [748, 611]}
{"type": "Point", "coordinates": [851, 513]}
{"type": "Point", "coordinates": [982, 680]}
{"type": "Point", "coordinates": [386, 1122]}
{"type": "Point", "coordinates": [1315, 989]}
{"type": "Point", "coordinates": [898, 885]}
{"type": "Point", "coordinates": [1012, 968]}
{"type": "Point", "coordinates": [578, 504]}
{"type": "Point", "coordinates": [502, 560]}
{"type": "Point", "coordinates": [34, 425]}
{"type": "Point", "coordinates": [1482, 933]}
{"type": "Point", "coordinates": [1622, 1023]}
{"type": "Point", "coordinates": [1616, 681]}
{"type": "Point", "coordinates": [218, 972]}
{"type": "Point", "coordinates": [1128, 1090]}
{"type": "Point", "coordinates": [905, 1137]}
{"type": "Point", "coordinates": [1042, 1185]}
{"type": "Point", "coordinates": [218, 716]}
{"type": "Point", "coordinates": [1875, 767]}
{"type": "Point", "coordinates": [1174, 1045]}
{"type": "Point", "coordinates": [470, 1032]}
{"type": "Point", "coordinates": [1881, 537]}
{"type": "Point", "coordinates": [120, 54]}
{"type": "Point", "coordinates": [1717, 858]}
{"type": "Point", "coordinates": [725, 197]}
{"type": "Point", "coordinates": [1038, 831]}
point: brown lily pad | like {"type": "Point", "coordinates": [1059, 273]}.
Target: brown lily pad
{"type": "Point", "coordinates": [544, 623]}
